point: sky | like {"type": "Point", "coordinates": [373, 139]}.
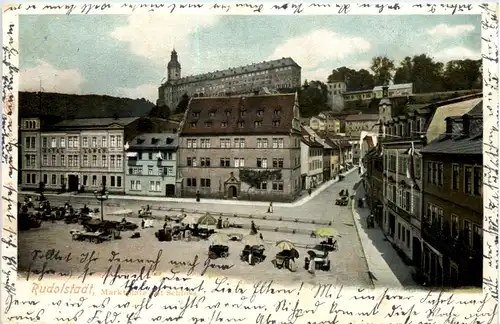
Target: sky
{"type": "Point", "coordinates": [126, 56]}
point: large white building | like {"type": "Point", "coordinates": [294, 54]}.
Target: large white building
{"type": "Point", "coordinates": [311, 159]}
{"type": "Point", "coordinates": [284, 73]}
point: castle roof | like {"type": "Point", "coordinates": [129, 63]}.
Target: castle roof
{"type": "Point", "coordinates": [256, 67]}
{"type": "Point", "coordinates": [263, 114]}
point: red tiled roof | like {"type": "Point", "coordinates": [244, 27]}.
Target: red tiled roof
{"type": "Point", "coordinates": [361, 117]}
{"type": "Point", "coordinates": [209, 114]}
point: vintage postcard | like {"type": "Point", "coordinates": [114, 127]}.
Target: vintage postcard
{"type": "Point", "coordinates": [291, 162]}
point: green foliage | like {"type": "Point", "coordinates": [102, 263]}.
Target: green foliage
{"type": "Point", "coordinates": [313, 98]}
{"type": "Point", "coordinates": [254, 178]}
{"type": "Point", "coordinates": [382, 68]}
{"type": "Point", "coordinates": [355, 80]}
{"type": "Point", "coordinates": [183, 104]}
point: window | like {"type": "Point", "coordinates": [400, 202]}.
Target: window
{"type": "Point", "coordinates": [262, 186]}
{"type": "Point", "coordinates": [205, 162]}
{"type": "Point", "coordinates": [170, 171]}
{"type": "Point", "coordinates": [150, 156]}
{"type": "Point", "coordinates": [477, 237]}
{"type": "Point", "coordinates": [112, 181]}
{"type": "Point", "coordinates": [468, 180]}
{"type": "Point", "coordinates": [70, 160]}
{"type": "Point", "coordinates": [205, 183]}
{"type": "Point", "coordinates": [277, 162]}
{"type": "Point", "coordinates": [277, 186]}
{"type": "Point", "coordinates": [191, 182]}
{"type": "Point", "coordinates": [45, 160]}
{"type": "Point", "coordinates": [135, 185]}
{"type": "Point", "coordinates": [225, 143]}
{"type": "Point", "coordinates": [62, 142]}
{"type": "Point", "coordinates": [61, 178]}
{"type": "Point", "coordinates": [241, 124]}
{"type": "Point", "coordinates": [189, 161]}
{"type": "Point", "coordinates": [205, 143]}
{"type": "Point", "coordinates": [223, 124]}
{"type": "Point", "coordinates": [225, 162]}
{"type": "Point", "coordinates": [408, 238]}
{"type": "Point", "coordinates": [193, 124]}
{"type": "Point", "coordinates": [94, 160]}
{"type": "Point", "coordinates": [53, 160]}
{"type": "Point", "coordinates": [242, 113]}
{"type": "Point", "coordinates": [70, 141]}
{"type": "Point", "coordinates": [154, 186]}
{"type": "Point", "coordinates": [85, 142]}
{"type": "Point", "coordinates": [239, 142]}
{"type": "Point", "coordinates": [104, 161]}
{"type": "Point", "coordinates": [94, 180]}
{"type": "Point", "coordinates": [261, 162]}
{"type": "Point", "coordinates": [440, 174]}
{"type": "Point", "coordinates": [478, 180]}
{"type": "Point", "coordinates": [239, 162]}
{"type": "Point", "coordinates": [118, 181]}
{"type": "Point", "coordinates": [54, 179]}
{"type": "Point", "coordinates": [399, 230]}
{"type": "Point", "coordinates": [257, 123]}
{"type": "Point", "coordinates": [119, 141]}
{"type": "Point", "coordinates": [150, 170]}
{"type": "Point", "coordinates": [454, 226]}
{"type": "Point", "coordinates": [53, 142]}
{"type": "Point", "coordinates": [44, 142]}
{"type": "Point", "coordinates": [429, 172]}
{"type": "Point", "coordinates": [113, 140]}
{"type": "Point", "coordinates": [85, 160]}
{"type": "Point", "coordinates": [407, 201]}
{"type": "Point", "coordinates": [45, 179]}
{"type": "Point", "coordinates": [455, 176]}
{"type": "Point", "coordinates": [94, 141]}
{"type": "Point", "coordinates": [276, 123]}
{"type": "Point", "coordinates": [468, 233]}
{"type": "Point", "coordinates": [104, 141]}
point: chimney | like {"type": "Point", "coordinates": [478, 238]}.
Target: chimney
{"type": "Point", "coordinates": [466, 125]}
{"type": "Point", "coordinates": [449, 126]}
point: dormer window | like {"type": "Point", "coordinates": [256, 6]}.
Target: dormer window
{"type": "Point", "coordinates": [277, 112]}
{"type": "Point", "coordinates": [260, 112]}
{"type": "Point", "coordinates": [140, 140]}
{"type": "Point", "coordinates": [211, 113]}
{"type": "Point", "coordinates": [154, 141]}
{"type": "Point", "coordinates": [242, 113]}
{"type": "Point", "coordinates": [223, 124]}
{"type": "Point", "coordinates": [195, 114]}
{"type": "Point", "coordinates": [241, 124]}
{"type": "Point", "coordinates": [228, 113]}
{"type": "Point", "coordinates": [208, 124]}
{"type": "Point", "coordinates": [257, 123]}
{"type": "Point", "coordinates": [276, 122]}
{"type": "Point", "coordinates": [193, 124]}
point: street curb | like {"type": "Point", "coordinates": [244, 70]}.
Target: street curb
{"type": "Point", "coordinates": [356, 224]}
{"type": "Point", "coordinates": [298, 203]}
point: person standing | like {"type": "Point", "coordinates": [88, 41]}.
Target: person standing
{"type": "Point", "coordinates": [270, 208]}
{"type": "Point", "coordinates": [197, 196]}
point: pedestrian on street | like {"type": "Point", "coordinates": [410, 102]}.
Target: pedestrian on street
{"type": "Point", "coordinates": [142, 223]}
{"type": "Point", "coordinates": [270, 208]}
{"type": "Point", "coordinates": [198, 196]}
{"type": "Point", "coordinates": [309, 191]}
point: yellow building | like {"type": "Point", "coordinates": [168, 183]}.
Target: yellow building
{"type": "Point", "coordinates": [355, 124]}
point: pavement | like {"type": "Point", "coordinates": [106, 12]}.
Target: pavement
{"type": "Point", "coordinates": [299, 202]}
{"type": "Point", "coordinates": [386, 268]}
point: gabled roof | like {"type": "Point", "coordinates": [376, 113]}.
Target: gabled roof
{"type": "Point", "coordinates": [94, 122]}
{"type": "Point", "coordinates": [154, 141]}
{"type": "Point", "coordinates": [362, 117]}
{"type": "Point", "coordinates": [263, 114]}
{"type": "Point", "coordinates": [459, 145]}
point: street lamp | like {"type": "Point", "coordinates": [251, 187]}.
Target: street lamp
{"type": "Point", "coordinates": [101, 196]}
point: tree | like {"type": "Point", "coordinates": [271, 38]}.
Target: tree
{"type": "Point", "coordinates": [382, 68]}
{"type": "Point", "coordinates": [462, 75]}
{"type": "Point", "coordinates": [313, 98]}
{"type": "Point", "coordinates": [404, 72]}
{"type": "Point", "coordinates": [182, 105]}
{"type": "Point", "coordinates": [427, 75]}
{"type": "Point", "coordinates": [355, 80]}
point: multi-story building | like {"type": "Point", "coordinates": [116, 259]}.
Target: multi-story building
{"type": "Point", "coordinates": [311, 159]}
{"type": "Point", "coordinates": [79, 152]}
{"type": "Point", "coordinates": [244, 80]}
{"type": "Point", "coordinates": [151, 165]}
{"type": "Point", "coordinates": [318, 123]}
{"type": "Point", "coordinates": [355, 124]}
{"type": "Point", "coordinates": [335, 94]}
{"type": "Point", "coordinates": [358, 95]}
{"type": "Point", "coordinates": [405, 136]}
{"type": "Point", "coordinates": [453, 203]}
{"type": "Point", "coordinates": [241, 147]}
{"type": "Point", "coordinates": [395, 90]}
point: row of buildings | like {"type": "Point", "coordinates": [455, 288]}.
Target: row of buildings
{"type": "Point", "coordinates": [424, 186]}
{"type": "Point", "coordinates": [248, 147]}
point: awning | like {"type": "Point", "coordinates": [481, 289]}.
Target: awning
{"type": "Point", "coordinates": [131, 154]}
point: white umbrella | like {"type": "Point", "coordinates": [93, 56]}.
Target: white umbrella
{"type": "Point", "coordinates": [124, 212]}
{"type": "Point", "coordinates": [252, 240]}
{"type": "Point", "coordinates": [219, 239]}
{"type": "Point", "coordinates": [190, 219]}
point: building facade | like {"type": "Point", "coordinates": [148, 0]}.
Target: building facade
{"type": "Point", "coordinates": [453, 202]}
{"type": "Point", "coordinates": [336, 91]}
{"type": "Point", "coordinates": [355, 124]}
{"type": "Point", "coordinates": [394, 90]}
{"type": "Point", "coordinates": [76, 153]}
{"type": "Point", "coordinates": [284, 73]}
{"type": "Point", "coordinates": [241, 148]}
{"type": "Point", "coordinates": [311, 159]}
{"type": "Point", "coordinates": [151, 168]}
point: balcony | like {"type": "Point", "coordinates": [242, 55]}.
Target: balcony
{"type": "Point", "coordinates": [400, 211]}
{"type": "Point", "coordinates": [455, 248]}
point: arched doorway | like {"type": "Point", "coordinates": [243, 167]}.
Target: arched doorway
{"type": "Point", "coordinates": [232, 192]}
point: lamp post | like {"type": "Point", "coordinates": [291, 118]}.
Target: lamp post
{"type": "Point", "coordinates": [101, 196]}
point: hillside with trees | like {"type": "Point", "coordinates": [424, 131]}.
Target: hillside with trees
{"type": "Point", "coordinates": [71, 106]}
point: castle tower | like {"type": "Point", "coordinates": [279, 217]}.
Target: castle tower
{"type": "Point", "coordinates": [174, 67]}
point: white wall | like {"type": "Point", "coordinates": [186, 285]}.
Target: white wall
{"type": "Point", "coordinates": [304, 158]}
